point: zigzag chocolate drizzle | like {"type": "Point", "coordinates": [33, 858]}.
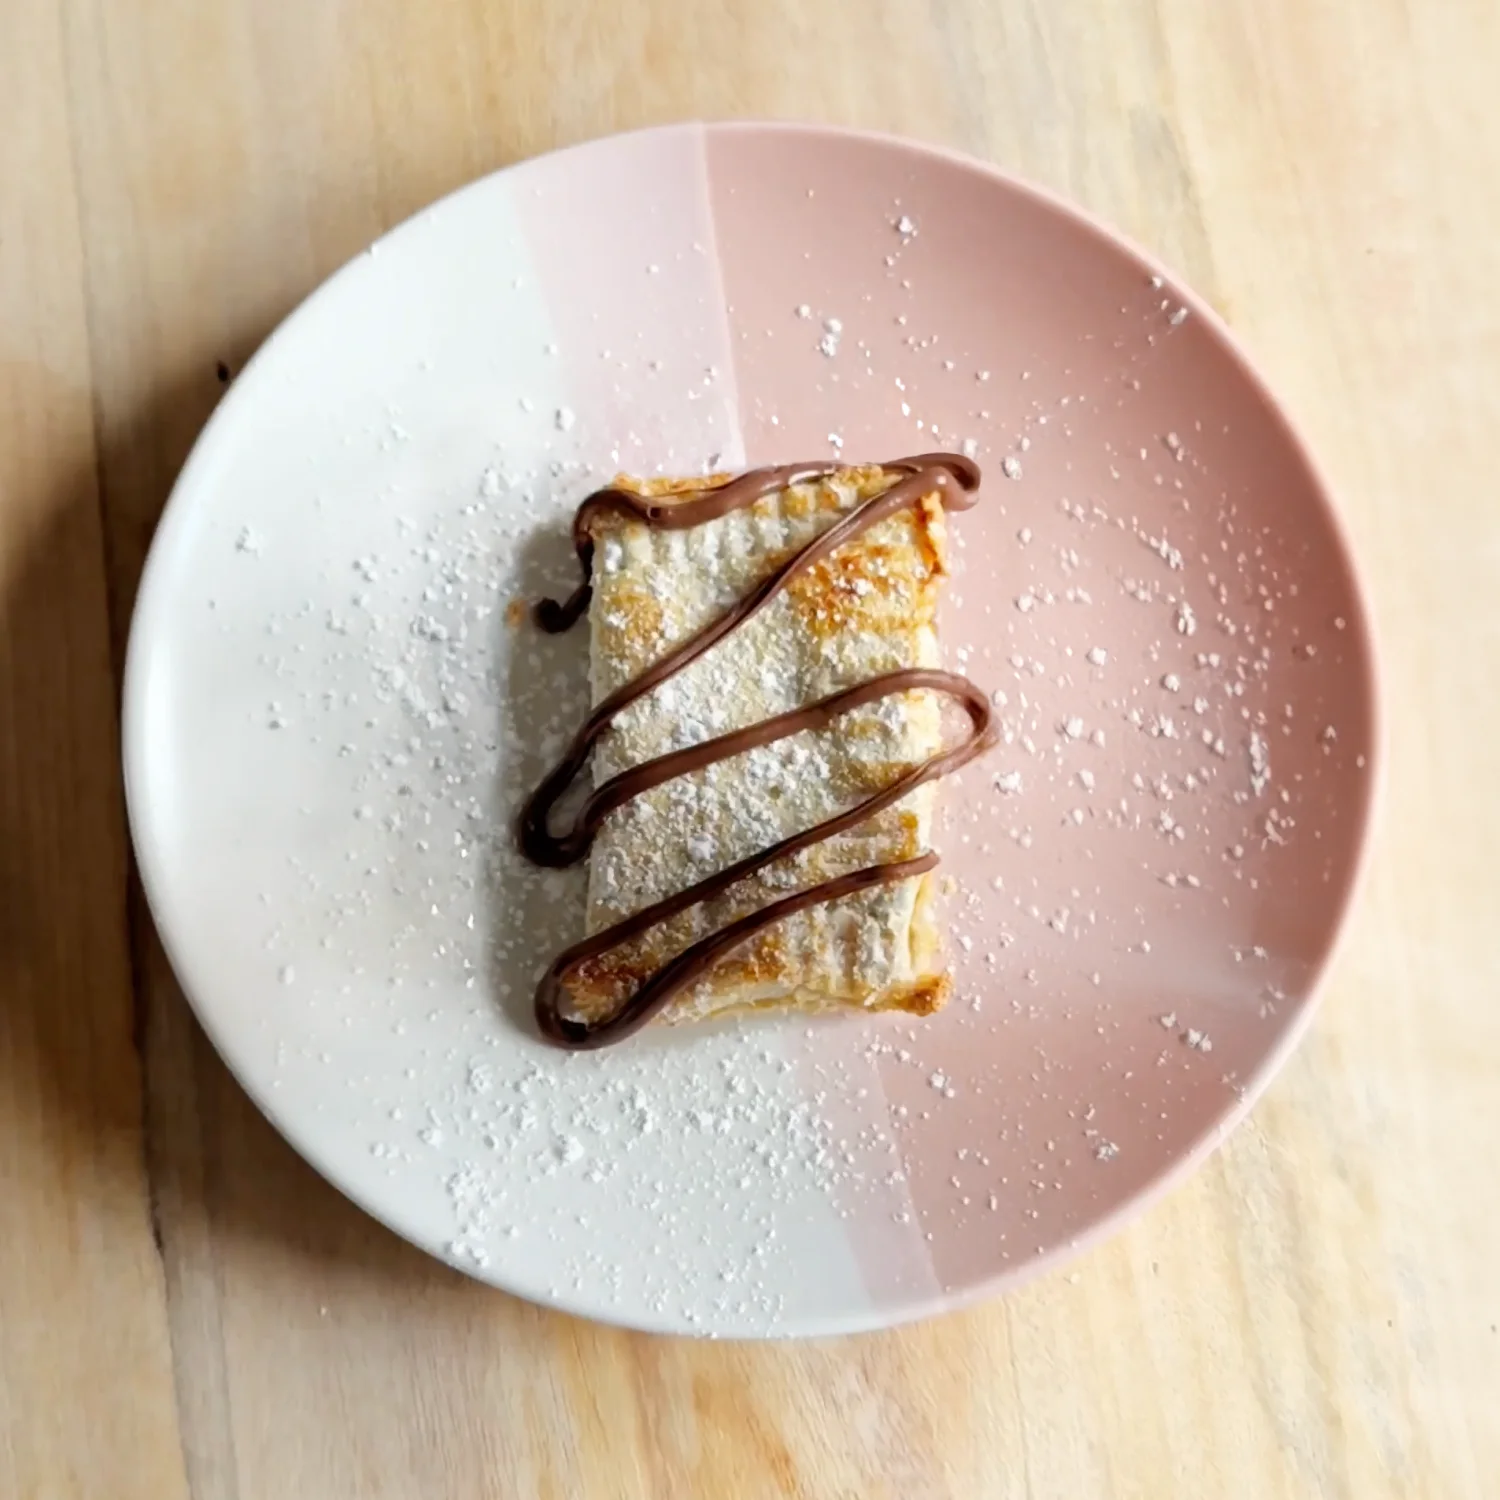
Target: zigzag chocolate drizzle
{"type": "Point", "coordinates": [956, 480]}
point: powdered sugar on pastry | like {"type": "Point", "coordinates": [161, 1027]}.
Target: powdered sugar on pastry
{"type": "Point", "coordinates": [866, 610]}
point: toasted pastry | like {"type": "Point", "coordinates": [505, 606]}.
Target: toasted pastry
{"type": "Point", "coordinates": [867, 609]}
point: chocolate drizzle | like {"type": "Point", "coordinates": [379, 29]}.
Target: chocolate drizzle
{"type": "Point", "coordinates": [692, 963]}
{"type": "Point", "coordinates": [681, 512]}
{"type": "Point", "coordinates": [955, 479]}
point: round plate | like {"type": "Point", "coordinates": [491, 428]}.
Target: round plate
{"type": "Point", "coordinates": [334, 705]}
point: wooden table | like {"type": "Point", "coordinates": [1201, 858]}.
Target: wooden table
{"type": "Point", "coordinates": [186, 1309]}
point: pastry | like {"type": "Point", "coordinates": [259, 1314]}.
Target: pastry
{"type": "Point", "coordinates": [769, 725]}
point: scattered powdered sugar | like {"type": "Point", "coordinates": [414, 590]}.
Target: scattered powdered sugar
{"type": "Point", "coordinates": [436, 707]}
{"type": "Point", "coordinates": [446, 706]}
{"type": "Point", "coordinates": [1260, 765]}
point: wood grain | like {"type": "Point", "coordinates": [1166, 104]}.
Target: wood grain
{"type": "Point", "coordinates": [85, 1375]}
{"type": "Point", "coordinates": [1314, 1315]}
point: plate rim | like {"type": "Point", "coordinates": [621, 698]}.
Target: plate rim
{"type": "Point", "coordinates": [151, 866]}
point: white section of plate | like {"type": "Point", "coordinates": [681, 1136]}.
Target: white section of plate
{"type": "Point", "coordinates": [330, 718]}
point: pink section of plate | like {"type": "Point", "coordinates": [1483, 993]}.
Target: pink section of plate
{"type": "Point", "coordinates": [1151, 871]}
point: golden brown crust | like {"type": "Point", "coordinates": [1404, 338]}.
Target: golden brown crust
{"type": "Point", "coordinates": [868, 609]}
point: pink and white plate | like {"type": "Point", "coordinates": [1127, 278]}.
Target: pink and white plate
{"type": "Point", "coordinates": [333, 710]}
